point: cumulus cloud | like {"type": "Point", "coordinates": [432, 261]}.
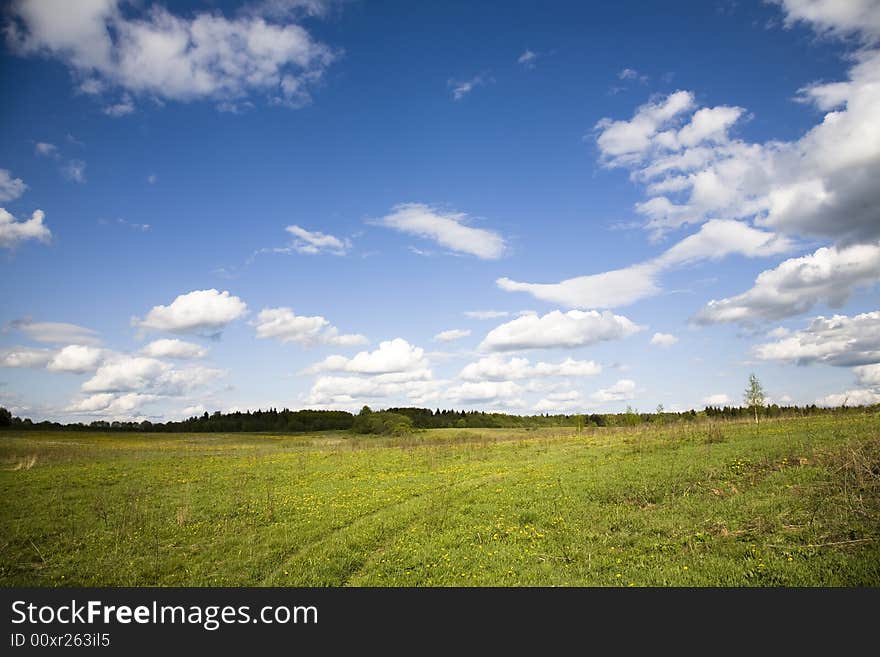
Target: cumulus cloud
{"type": "Point", "coordinates": [496, 368]}
{"type": "Point", "coordinates": [561, 402]}
{"type": "Point", "coordinates": [199, 311]}
{"type": "Point", "coordinates": [448, 229]}
{"type": "Point", "coordinates": [76, 358]}
{"type": "Point", "coordinates": [623, 390]}
{"type": "Point", "coordinates": [10, 188]}
{"type": "Point", "coordinates": [316, 242]}
{"type": "Point", "coordinates": [834, 18]}
{"type": "Point", "coordinates": [25, 357]}
{"type": "Point", "coordinates": [715, 239]}
{"type": "Point", "coordinates": [693, 170]}
{"type": "Point", "coordinates": [392, 356]}
{"type": "Point", "coordinates": [127, 373]}
{"type": "Point", "coordinates": [174, 348]}
{"type": "Point", "coordinates": [868, 375]}
{"type": "Point", "coordinates": [162, 55]}
{"type": "Point", "coordinates": [13, 232]}
{"type": "Point", "coordinates": [54, 332]}
{"type": "Point", "coordinates": [557, 330]}
{"type": "Point", "coordinates": [351, 391]}
{"type": "Point", "coordinates": [487, 392]}
{"type": "Point", "coordinates": [286, 326]}
{"type": "Point", "coordinates": [719, 399]}
{"type": "Point", "coordinates": [829, 275]}
{"type": "Point", "coordinates": [451, 335]}
{"type": "Point", "coordinates": [663, 339]}
{"type": "Point", "coordinates": [622, 142]}
{"type": "Point", "coordinates": [111, 405]}
{"type": "Point", "coordinates": [857, 397]}
{"type": "Point", "coordinates": [839, 340]}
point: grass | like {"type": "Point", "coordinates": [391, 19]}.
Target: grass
{"type": "Point", "coordinates": [684, 505]}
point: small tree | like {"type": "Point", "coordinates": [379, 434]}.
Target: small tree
{"type": "Point", "coordinates": [754, 395]}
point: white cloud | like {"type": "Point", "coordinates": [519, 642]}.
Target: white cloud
{"type": "Point", "coordinates": [835, 18]}
{"type": "Point", "coordinates": [448, 229]}
{"type": "Point", "coordinates": [162, 55]}
{"type": "Point", "coordinates": [290, 9]}
{"type": "Point", "coordinates": [192, 411]}
{"type": "Point", "coordinates": [461, 89]}
{"type": "Point", "coordinates": [719, 399]}
{"type": "Point", "coordinates": [25, 357]}
{"type": "Point", "coordinates": [173, 348]}
{"type": "Point", "coordinates": [495, 368]}
{"type": "Point", "coordinates": [486, 391]}
{"type": "Point", "coordinates": [628, 74]}
{"type": "Point", "coordinates": [778, 332]}
{"type": "Point", "coordinates": [152, 179]}
{"type": "Point", "coordinates": [527, 59]}
{"type": "Point", "coordinates": [821, 184]}
{"type": "Point", "coordinates": [829, 275]}
{"type": "Point", "coordinates": [663, 339]}
{"type": "Point", "coordinates": [839, 340]}
{"type": "Point", "coordinates": [561, 402]}
{"type": "Point", "coordinates": [14, 232]}
{"type": "Point", "coordinates": [859, 397]}
{"type": "Point", "coordinates": [557, 329]}
{"type": "Point", "coordinates": [351, 391]}
{"type": "Point", "coordinates": [75, 170]}
{"type": "Point", "coordinates": [392, 356]}
{"type": "Point", "coordinates": [54, 332]}
{"type": "Point", "coordinates": [622, 142]}
{"type": "Point", "coordinates": [286, 326]}
{"type": "Point", "coordinates": [76, 358]}
{"type": "Point", "coordinates": [486, 314]}
{"type": "Point", "coordinates": [605, 290]}
{"type": "Point", "coordinates": [451, 335]}
{"type": "Point", "coordinates": [199, 311]}
{"type": "Point", "coordinates": [121, 108]}
{"type": "Point", "coordinates": [868, 375]}
{"type": "Point", "coordinates": [128, 373]}
{"type": "Point", "coordinates": [46, 149]}
{"type": "Point", "coordinates": [715, 239]}
{"type": "Point", "coordinates": [111, 405]}
{"type": "Point", "coordinates": [623, 390]}
{"type": "Point", "coordinates": [10, 188]}
{"type": "Point", "coordinates": [316, 242]}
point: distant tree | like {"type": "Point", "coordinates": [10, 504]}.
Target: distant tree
{"type": "Point", "coordinates": [5, 417]}
{"type": "Point", "coordinates": [659, 409]}
{"type": "Point", "coordinates": [754, 395]}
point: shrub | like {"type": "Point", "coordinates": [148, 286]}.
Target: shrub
{"type": "Point", "coordinates": [382, 423]}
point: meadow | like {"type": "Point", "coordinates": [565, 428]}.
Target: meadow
{"type": "Point", "coordinates": [793, 502]}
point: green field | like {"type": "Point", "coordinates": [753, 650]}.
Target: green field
{"type": "Point", "coordinates": [689, 504]}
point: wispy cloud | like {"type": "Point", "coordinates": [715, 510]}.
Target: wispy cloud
{"type": "Point", "coordinates": [527, 59]}
{"type": "Point", "coordinates": [460, 89]}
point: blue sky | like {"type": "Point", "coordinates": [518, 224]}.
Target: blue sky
{"type": "Point", "coordinates": [544, 207]}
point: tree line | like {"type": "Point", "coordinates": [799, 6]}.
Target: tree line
{"type": "Point", "coordinates": [403, 419]}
